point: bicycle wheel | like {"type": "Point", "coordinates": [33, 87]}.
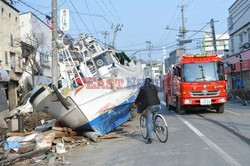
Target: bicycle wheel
{"type": "Point", "coordinates": [143, 126]}
{"type": "Point", "coordinates": [161, 128]}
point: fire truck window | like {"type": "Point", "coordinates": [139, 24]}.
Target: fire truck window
{"type": "Point", "coordinates": [201, 72]}
{"type": "Point", "coordinates": [221, 71]}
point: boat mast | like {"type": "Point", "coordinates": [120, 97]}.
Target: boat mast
{"type": "Point", "coordinates": [55, 76]}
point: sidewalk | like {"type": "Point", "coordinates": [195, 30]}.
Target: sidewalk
{"type": "Point", "coordinates": [238, 105]}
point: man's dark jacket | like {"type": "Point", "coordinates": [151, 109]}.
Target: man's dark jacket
{"type": "Point", "coordinates": [147, 97]}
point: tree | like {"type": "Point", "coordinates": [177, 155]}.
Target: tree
{"type": "Point", "coordinates": [30, 44]}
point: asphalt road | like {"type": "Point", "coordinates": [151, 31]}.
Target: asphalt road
{"type": "Point", "coordinates": [196, 138]}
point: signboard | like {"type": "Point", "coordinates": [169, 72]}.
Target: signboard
{"type": "Point", "coordinates": [3, 76]}
{"type": "Point", "coordinates": [64, 19]}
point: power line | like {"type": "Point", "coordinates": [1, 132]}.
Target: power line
{"type": "Point", "coordinates": [109, 11]}
{"type": "Point", "coordinates": [189, 2]}
{"type": "Point", "coordinates": [168, 24]}
{"type": "Point", "coordinates": [198, 31]}
{"type": "Point", "coordinates": [165, 35]}
{"type": "Point", "coordinates": [174, 26]}
{"type": "Point", "coordinates": [90, 14]}
{"type": "Point", "coordinates": [62, 4]}
{"type": "Point", "coordinates": [32, 7]}
{"type": "Point", "coordinates": [234, 22]}
{"type": "Point", "coordinates": [115, 11]}
{"type": "Point", "coordinates": [80, 17]}
{"type": "Point", "coordinates": [133, 45]}
{"type": "Point", "coordinates": [91, 18]}
{"type": "Point", "coordinates": [103, 11]}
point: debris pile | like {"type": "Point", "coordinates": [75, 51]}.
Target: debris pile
{"type": "Point", "coordinates": [44, 145]}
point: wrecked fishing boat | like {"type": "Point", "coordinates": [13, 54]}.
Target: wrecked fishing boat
{"type": "Point", "coordinates": [97, 87]}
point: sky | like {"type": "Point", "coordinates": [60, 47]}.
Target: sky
{"type": "Point", "coordinates": [140, 21]}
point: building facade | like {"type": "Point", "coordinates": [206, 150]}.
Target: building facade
{"type": "Point", "coordinates": [239, 32]}
{"type": "Point", "coordinates": [173, 58]}
{"type": "Point", "coordinates": [10, 50]}
{"type": "Point", "coordinates": [222, 44]}
{"type": "Point", "coordinates": [37, 34]}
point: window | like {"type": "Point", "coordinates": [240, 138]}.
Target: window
{"type": "Point", "coordinates": [92, 48]}
{"type": "Point", "coordinates": [19, 62]}
{"type": "Point", "coordinates": [220, 43]}
{"type": "Point", "coordinates": [230, 22]}
{"type": "Point", "coordinates": [201, 72]}
{"type": "Point", "coordinates": [6, 57]}
{"type": "Point", "coordinates": [241, 38]}
{"type": "Point", "coordinates": [248, 32]}
{"type": "Point", "coordinates": [44, 57]}
{"type": "Point", "coordinates": [12, 60]}
{"type": "Point", "coordinates": [2, 18]}
{"type": "Point", "coordinates": [11, 40]}
{"type": "Point", "coordinates": [208, 43]}
{"type": "Point", "coordinates": [232, 45]}
{"type": "Point", "coordinates": [220, 52]}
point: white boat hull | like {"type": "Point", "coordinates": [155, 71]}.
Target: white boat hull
{"type": "Point", "coordinates": [92, 106]}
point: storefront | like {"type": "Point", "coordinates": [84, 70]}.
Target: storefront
{"type": "Point", "coordinates": [239, 77]}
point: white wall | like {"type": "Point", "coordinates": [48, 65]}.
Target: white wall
{"type": "Point", "coordinates": [9, 25]}
{"type": "Point", "coordinates": [30, 24]}
{"type": "Point", "coordinates": [222, 42]}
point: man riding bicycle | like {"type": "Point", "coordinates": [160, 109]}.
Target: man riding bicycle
{"type": "Point", "coordinates": [146, 101]}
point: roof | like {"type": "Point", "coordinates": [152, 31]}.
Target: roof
{"type": "Point", "coordinates": [233, 4]}
{"type": "Point", "coordinates": [7, 3]}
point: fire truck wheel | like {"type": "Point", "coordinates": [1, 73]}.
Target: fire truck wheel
{"type": "Point", "coordinates": [220, 108]}
{"type": "Point", "coordinates": [180, 110]}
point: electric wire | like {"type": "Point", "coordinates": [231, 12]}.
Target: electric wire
{"type": "Point", "coordinates": [115, 11]}
{"type": "Point", "coordinates": [80, 17]}
{"type": "Point", "coordinates": [91, 18]}
{"type": "Point", "coordinates": [32, 7]}
{"type": "Point", "coordinates": [109, 11]}
{"type": "Point", "coordinates": [198, 31]}
{"type": "Point", "coordinates": [234, 22]}
{"type": "Point", "coordinates": [109, 20]}
{"type": "Point", "coordinates": [62, 4]}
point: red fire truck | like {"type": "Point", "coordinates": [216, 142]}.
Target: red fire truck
{"type": "Point", "coordinates": [196, 82]}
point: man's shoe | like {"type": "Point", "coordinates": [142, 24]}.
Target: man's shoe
{"type": "Point", "coordinates": [149, 141]}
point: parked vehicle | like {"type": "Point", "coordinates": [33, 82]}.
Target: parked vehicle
{"type": "Point", "coordinates": [196, 82]}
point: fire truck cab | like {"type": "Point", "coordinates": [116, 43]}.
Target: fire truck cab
{"type": "Point", "coordinates": [196, 82]}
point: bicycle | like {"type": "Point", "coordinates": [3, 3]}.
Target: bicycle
{"type": "Point", "coordinates": [160, 126]}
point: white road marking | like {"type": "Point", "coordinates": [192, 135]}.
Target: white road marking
{"type": "Point", "coordinates": [233, 112]}
{"type": "Point", "coordinates": [230, 160]}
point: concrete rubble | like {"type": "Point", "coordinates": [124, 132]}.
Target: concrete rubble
{"type": "Point", "coordinates": [43, 144]}
{"type": "Point", "coordinates": [43, 141]}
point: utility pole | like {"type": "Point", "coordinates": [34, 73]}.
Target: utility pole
{"type": "Point", "coordinates": [55, 75]}
{"type": "Point", "coordinates": [213, 35]}
{"type": "Point", "coordinates": [105, 34]}
{"type": "Point", "coordinates": [118, 27]}
{"type": "Point", "coordinates": [183, 28]}
{"type": "Point", "coordinates": [149, 46]}
{"type": "Point", "coordinates": [183, 32]}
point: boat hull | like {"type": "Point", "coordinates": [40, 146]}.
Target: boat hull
{"type": "Point", "coordinates": [111, 119]}
{"type": "Point", "coordinates": [102, 122]}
